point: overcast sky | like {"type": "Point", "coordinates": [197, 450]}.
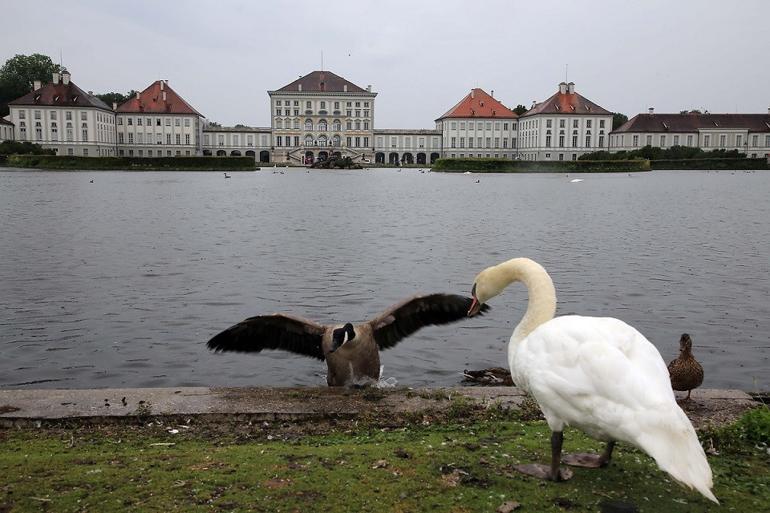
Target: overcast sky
{"type": "Point", "coordinates": [420, 56]}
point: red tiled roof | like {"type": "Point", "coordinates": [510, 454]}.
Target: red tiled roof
{"type": "Point", "coordinates": [479, 104]}
{"type": "Point", "coordinates": [60, 95]}
{"type": "Point", "coordinates": [692, 122]}
{"type": "Point", "coordinates": [323, 81]}
{"type": "Point", "coordinates": [151, 101]}
{"type": "Point", "coordinates": [567, 103]}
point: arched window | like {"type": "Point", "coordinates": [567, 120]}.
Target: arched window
{"type": "Point", "coordinates": [278, 123]}
{"type": "Point", "coordinates": [308, 124]}
{"type": "Point", "coordinates": [322, 125]}
{"type": "Point", "coordinates": [336, 125]}
{"type": "Point", "coordinates": [336, 140]}
{"type": "Point", "coordinates": [296, 123]}
{"type": "Point", "coordinates": [322, 140]}
{"type": "Point", "coordinates": [308, 140]}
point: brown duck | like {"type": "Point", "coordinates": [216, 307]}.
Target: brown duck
{"type": "Point", "coordinates": [685, 371]}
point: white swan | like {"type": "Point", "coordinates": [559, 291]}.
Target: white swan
{"type": "Point", "coordinates": [597, 374]}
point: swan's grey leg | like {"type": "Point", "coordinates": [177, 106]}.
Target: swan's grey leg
{"type": "Point", "coordinates": [554, 473]}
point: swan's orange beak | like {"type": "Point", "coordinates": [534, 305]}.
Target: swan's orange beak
{"type": "Point", "coordinates": [475, 307]}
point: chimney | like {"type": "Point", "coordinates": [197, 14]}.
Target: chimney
{"type": "Point", "coordinates": [161, 85]}
{"type": "Point", "coordinates": [571, 88]}
{"type": "Point", "coordinates": [65, 77]}
{"type": "Point", "coordinates": [137, 95]}
{"type": "Point", "coordinates": [299, 87]}
{"type": "Point", "coordinates": [55, 77]}
{"type": "Point", "coordinates": [562, 87]}
{"type": "Point", "coordinates": [369, 88]}
{"type": "Point", "coordinates": [534, 104]}
{"type": "Point", "coordinates": [37, 84]}
{"type": "Point", "coordinates": [164, 96]}
{"type": "Point", "coordinates": [90, 93]}
{"type": "Point", "coordinates": [114, 105]}
{"type": "Point", "coordinates": [768, 110]}
{"type": "Point", "coordinates": [473, 93]}
{"type": "Point", "coordinates": [345, 88]}
{"type": "Point", "coordinates": [651, 110]}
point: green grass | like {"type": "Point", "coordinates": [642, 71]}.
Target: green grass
{"type": "Point", "coordinates": [451, 466]}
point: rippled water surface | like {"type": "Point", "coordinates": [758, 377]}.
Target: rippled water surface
{"type": "Point", "coordinates": [120, 282]}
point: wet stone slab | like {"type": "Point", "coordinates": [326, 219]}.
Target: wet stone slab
{"type": "Point", "coordinates": [35, 407]}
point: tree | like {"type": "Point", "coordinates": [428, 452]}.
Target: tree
{"type": "Point", "coordinates": [520, 109]}
{"type": "Point", "coordinates": [19, 72]}
{"type": "Point", "coordinates": [214, 124]}
{"type": "Point", "coordinates": [110, 98]}
{"type": "Point", "coordinates": [618, 120]}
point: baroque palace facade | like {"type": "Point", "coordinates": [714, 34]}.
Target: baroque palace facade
{"type": "Point", "coordinates": [322, 115]}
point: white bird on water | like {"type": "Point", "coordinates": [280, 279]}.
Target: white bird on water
{"type": "Point", "coordinates": [597, 374]}
{"type": "Point", "coordinates": [576, 180]}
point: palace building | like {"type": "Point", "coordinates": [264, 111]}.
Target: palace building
{"type": "Point", "coordinates": [747, 133]}
{"type": "Point", "coordinates": [61, 116]}
{"type": "Point", "coordinates": [479, 126]}
{"type": "Point", "coordinates": [563, 127]}
{"type": "Point", "coordinates": [321, 115]}
{"type": "Point", "coordinates": [158, 123]}
{"type": "Point", "coordinates": [6, 130]}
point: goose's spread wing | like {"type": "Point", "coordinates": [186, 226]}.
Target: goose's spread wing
{"type": "Point", "coordinates": [278, 331]}
{"type": "Point", "coordinates": [403, 319]}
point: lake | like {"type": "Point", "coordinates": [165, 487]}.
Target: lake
{"type": "Point", "coordinates": [120, 282]}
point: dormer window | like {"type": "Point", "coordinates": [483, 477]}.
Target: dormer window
{"type": "Point", "coordinates": [75, 99]}
{"type": "Point", "coordinates": [37, 98]}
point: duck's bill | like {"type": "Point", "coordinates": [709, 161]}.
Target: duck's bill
{"type": "Point", "coordinates": [475, 307]}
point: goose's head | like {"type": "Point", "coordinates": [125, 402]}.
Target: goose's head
{"type": "Point", "coordinates": [487, 285]}
{"type": "Point", "coordinates": [342, 335]}
{"type": "Point", "coordinates": [685, 343]}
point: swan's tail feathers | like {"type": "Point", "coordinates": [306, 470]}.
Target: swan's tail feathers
{"type": "Point", "coordinates": [671, 440]}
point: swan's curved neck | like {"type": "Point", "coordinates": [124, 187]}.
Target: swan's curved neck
{"type": "Point", "coordinates": [542, 294]}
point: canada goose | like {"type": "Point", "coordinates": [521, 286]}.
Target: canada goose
{"type": "Point", "coordinates": [597, 374]}
{"type": "Point", "coordinates": [227, 176]}
{"type": "Point", "coordinates": [686, 373]}
{"type": "Point", "coordinates": [351, 352]}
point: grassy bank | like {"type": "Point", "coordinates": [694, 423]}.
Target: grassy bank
{"type": "Point", "coordinates": [704, 164]}
{"type": "Point", "coordinates": [539, 166]}
{"type": "Point", "coordinates": [460, 461]}
{"type": "Point", "coordinates": [132, 163]}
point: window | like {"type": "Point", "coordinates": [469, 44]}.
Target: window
{"type": "Point", "coordinates": [689, 140]}
{"type": "Point", "coordinates": [54, 132]}
{"type": "Point", "coordinates": [349, 125]}
{"type": "Point", "coordinates": [308, 105]}
{"type": "Point", "coordinates": [187, 122]}
{"type": "Point", "coordinates": [120, 120]}
{"type": "Point", "coordinates": [497, 142]}
{"type": "Point", "coordinates": [157, 121]}
{"type": "Point", "coordinates": [588, 141]}
{"type": "Point", "coordinates": [358, 104]}
{"type": "Point", "coordinates": [278, 123]}
{"type": "Point", "coordinates": [120, 138]}
{"type": "Point", "coordinates": [358, 125]}
{"type": "Point", "coordinates": [323, 104]}
{"type": "Point", "coordinates": [366, 113]}
{"type": "Point", "coordinates": [601, 141]}
{"type": "Point", "coordinates": [601, 123]}
{"type": "Point", "coordinates": [53, 114]}
{"type": "Point", "coordinates": [574, 123]}
{"type": "Point", "coordinates": [178, 139]}
{"type": "Point", "coordinates": [706, 141]}
{"type": "Point", "coordinates": [220, 139]}
{"type": "Point", "coordinates": [138, 121]}
{"type": "Point", "coordinates": [497, 125]}
{"type": "Point", "coordinates": [187, 139]}
{"type": "Point", "coordinates": [561, 144]}
{"type": "Point", "coordinates": [547, 141]}
{"type": "Point", "coordinates": [548, 123]}
{"type": "Point", "coordinates": [140, 137]}
{"type": "Point", "coordinates": [168, 121]}
{"type": "Point", "coordinates": [68, 115]}
{"type": "Point", "coordinates": [366, 142]}
{"type": "Point", "coordinates": [470, 125]}
{"type": "Point", "coordinates": [130, 121]}
{"type": "Point", "coordinates": [336, 105]}
{"type": "Point", "coordinates": [453, 125]}
{"type": "Point", "coordinates": [479, 143]}
{"type": "Point", "coordinates": [38, 131]}
{"type": "Point", "coordinates": [83, 116]}
{"type": "Point", "coordinates": [662, 141]}
{"type": "Point", "coordinates": [130, 138]}
{"type": "Point", "coordinates": [358, 142]}
{"type": "Point", "coordinates": [574, 141]}
{"type": "Point", "coordinates": [722, 140]}
{"type": "Point", "coordinates": [767, 140]}
{"type": "Point", "coordinates": [322, 126]}
{"type": "Point", "coordinates": [561, 125]}
{"type": "Point", "coordinates": [676, 140]}
{"type": "Point", "coordinates": [462, 142]}
{"type": "Point", "coordinates": [488, 141]}
{"type": "Point", "coordinates": [177, 122]}
{"type": "Point", "coordinates": [279, 141]}
{"type": "Point", "coordinates": [649, 140]}
{"type": "Point", "coordinates": [453, 143]}
{"type": "Point", "coordinates": [470, 142]}
{"type": "Point", "coordinates": [336, 125]}
{"type": "Point", "coordinates": [71, 151]}
{"type": "Point", "coordinates": [588, 123]}
{"type": "Point", "coordinates": [159, 140]}
{"type": "Point", "coordinates": [754, 140]}
{"type": "Point", "coordinates": [738, 140]}
{"type": "Point", "coordinates": [37, 114]}
{"type": "Point", "coordinates": [308, 124]}
{"type": "Point", "coordinates": [636, 140]}
{"type": "Point", "coordinates": [149, 121]}
{"type": "Point", "coordinates": [23, 115]}
{"type": "Point", "coordinates": [505, 142]}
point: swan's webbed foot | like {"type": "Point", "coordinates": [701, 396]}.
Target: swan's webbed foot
{"type": "Point", "coordinates": [590, 460]}
{"type": "Point", "coordinates": [541, 471]}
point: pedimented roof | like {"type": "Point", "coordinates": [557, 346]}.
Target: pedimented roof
{"type": "Point", "coordinates": [567, 103]}
{"type": "Point", "coordinates": [322, 81]}
{"type": "Point", "coordinates": [479, 104]}
{"type": "Point", "coordinates": [151, 101]}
